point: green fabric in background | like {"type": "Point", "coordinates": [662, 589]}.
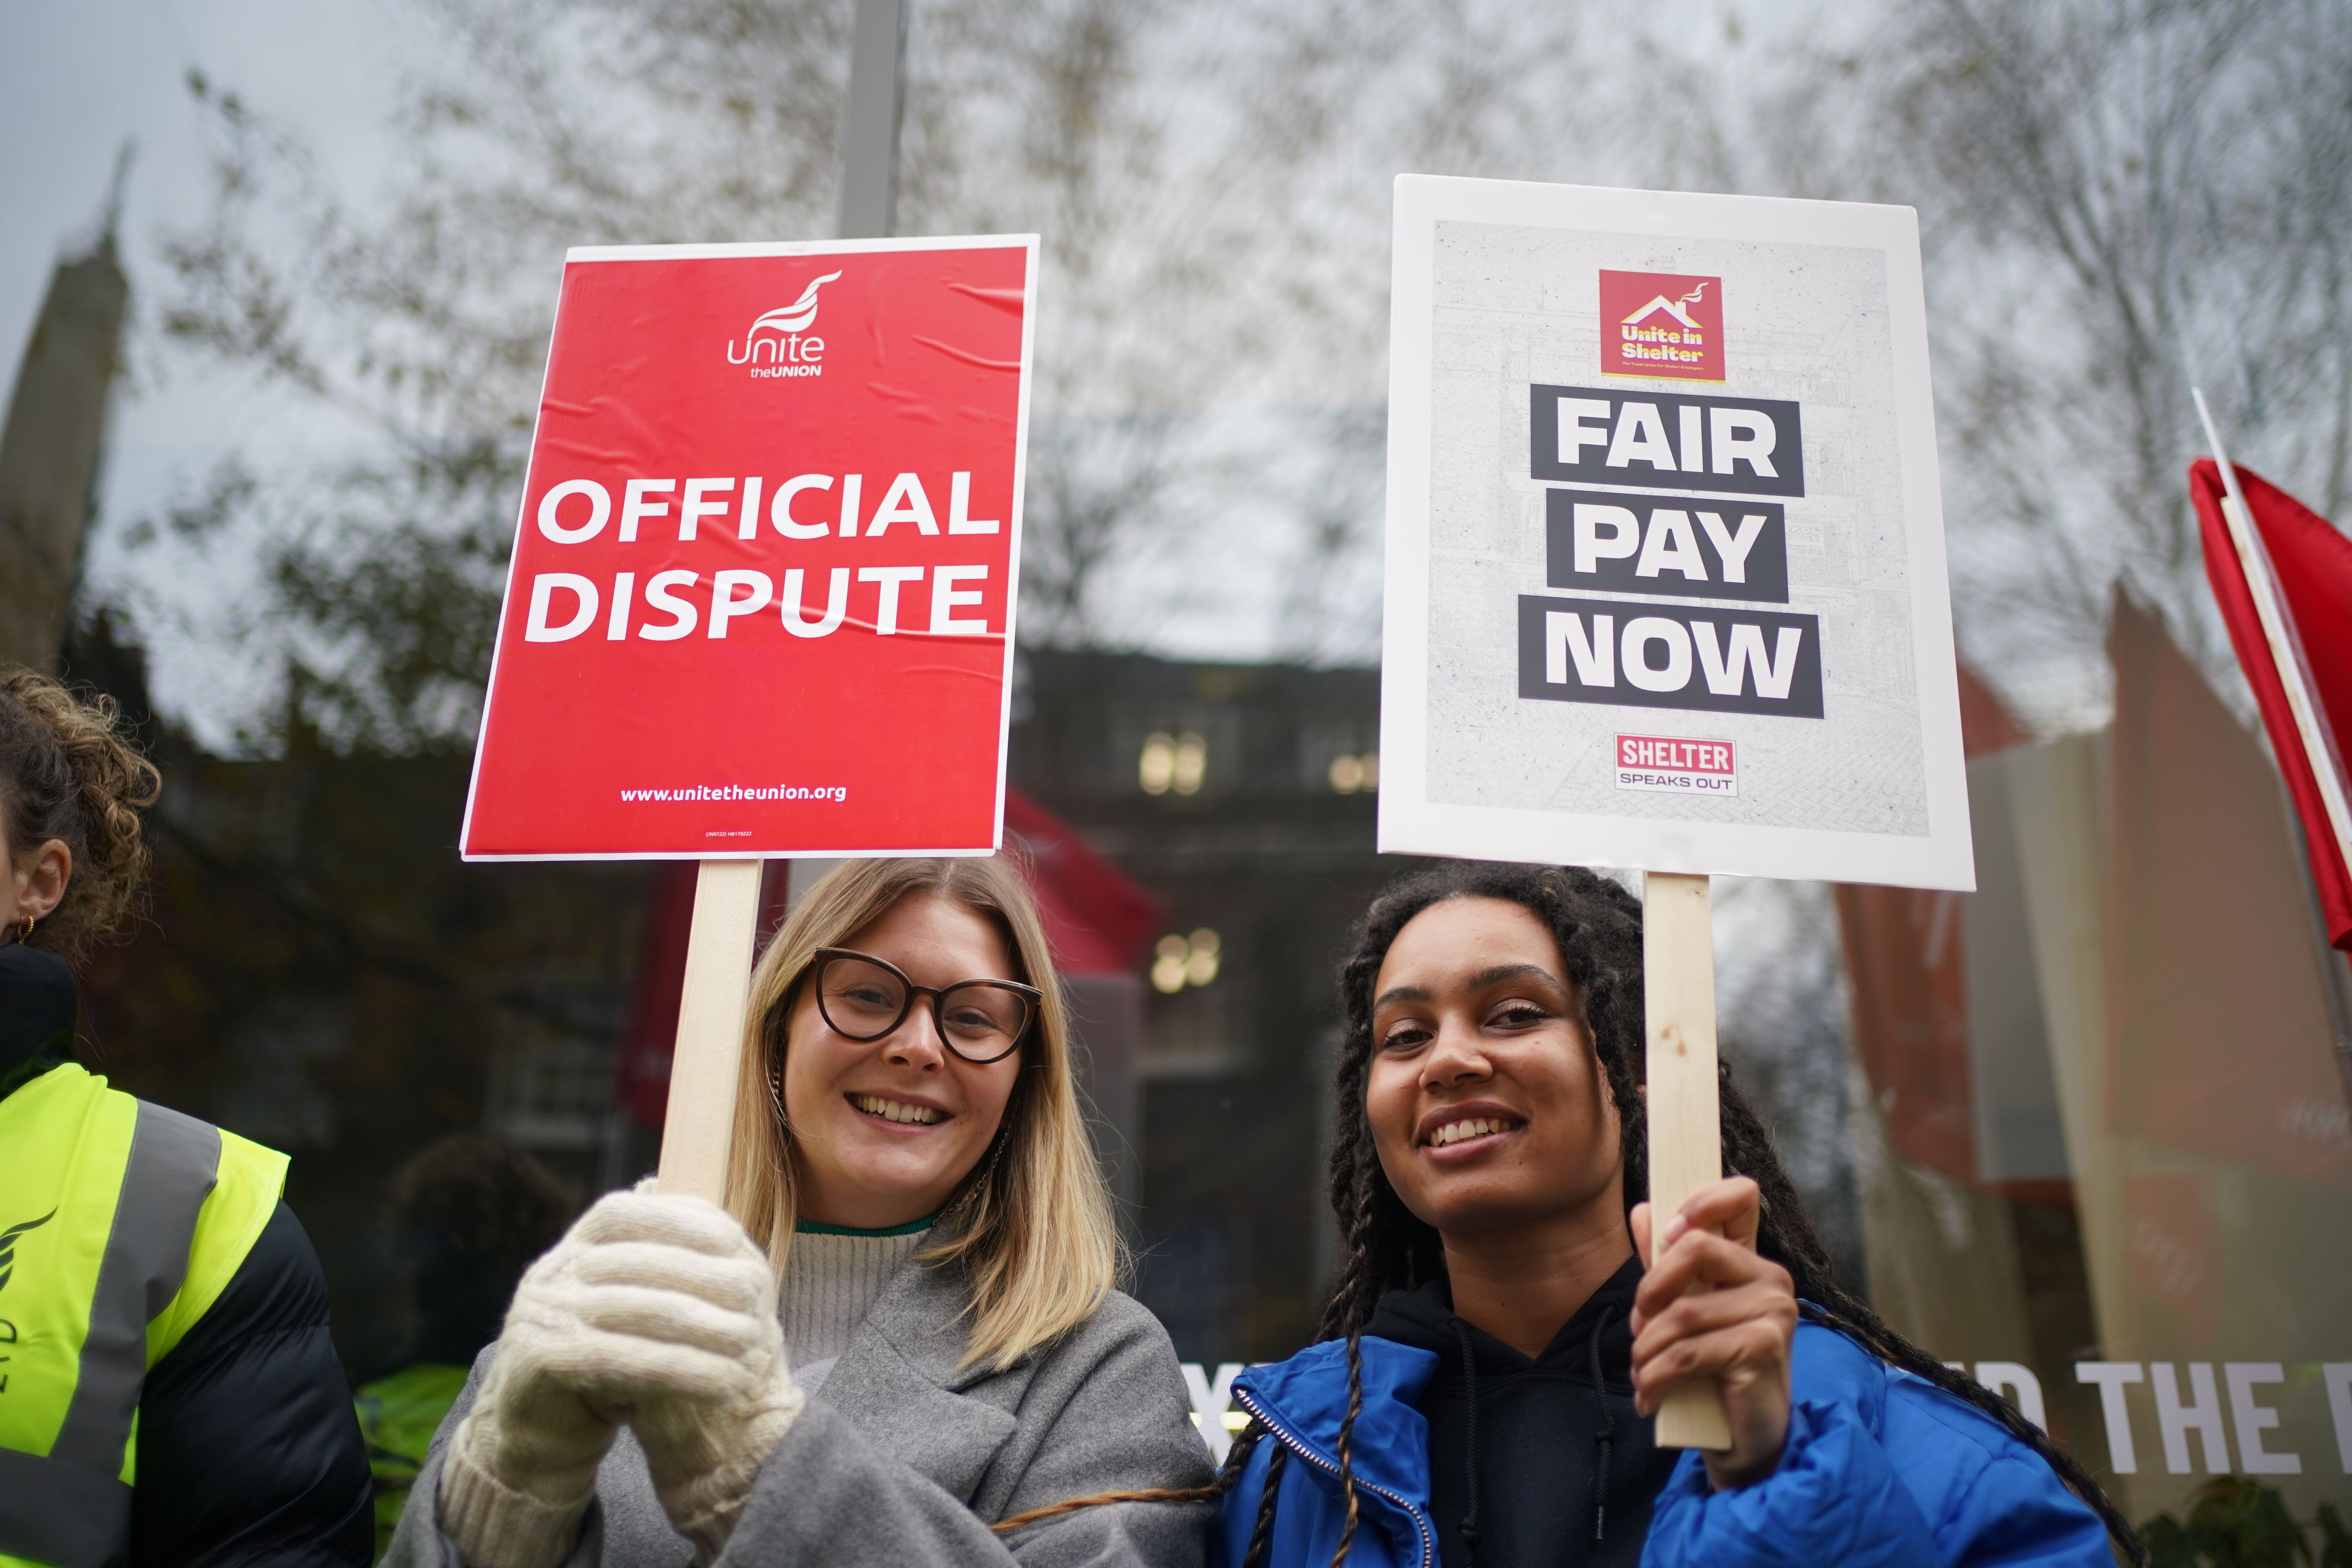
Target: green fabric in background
{"type": "Point", "coordinates": [399, 1414]}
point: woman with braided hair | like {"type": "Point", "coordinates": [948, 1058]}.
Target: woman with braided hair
{"type": "Point", "coordinates": [1505, 1321]}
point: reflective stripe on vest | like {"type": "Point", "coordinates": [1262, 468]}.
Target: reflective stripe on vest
{"type": "Point", "coordinates": [96, 1284]}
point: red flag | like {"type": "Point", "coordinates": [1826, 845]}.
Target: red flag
{"type": "Point", "coordinates": [2311, 563]}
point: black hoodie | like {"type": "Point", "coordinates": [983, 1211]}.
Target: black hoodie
{"type": "Point", "coordinates": [1544, 1430]}
{"type": "Point", "coordinates": [37, 1014]}
{"type": "Point", "coordinates": [249, 1451]}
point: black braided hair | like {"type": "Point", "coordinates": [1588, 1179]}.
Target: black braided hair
{"type": "Point", "coordinates": [1598, 926]}
{"type": "Point", "coordinates": [1347, 1445]}
{"type": "Point", "coordinates": [1262, 1531]}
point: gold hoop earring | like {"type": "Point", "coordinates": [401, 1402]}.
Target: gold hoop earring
{"type": "Point", "coordinates": [24, 931]}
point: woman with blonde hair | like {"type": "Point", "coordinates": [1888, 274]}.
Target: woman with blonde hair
{"type": "Point", "coordinates": [899, 1341]}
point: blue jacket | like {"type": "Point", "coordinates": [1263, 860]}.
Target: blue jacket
{"type": "Point", "coordinates": [1881, 1467]}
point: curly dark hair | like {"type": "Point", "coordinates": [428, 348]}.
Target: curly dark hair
{"type": "Point", "coordinates": [67, 772]}
{"type": "Point", "coordinates": [1598, 926]}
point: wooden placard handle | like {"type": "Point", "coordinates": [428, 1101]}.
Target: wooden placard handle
{"type": "Point", "coordinates": [1685, 1114]}
{"type": "Point", "coordinates": [698, 1126]}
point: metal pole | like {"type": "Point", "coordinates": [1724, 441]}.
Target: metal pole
{"type": "Point", "coordinates": [869, 130]}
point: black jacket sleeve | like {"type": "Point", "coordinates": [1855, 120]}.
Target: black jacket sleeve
{"type": "Point", "coordinates": [249, 1451]}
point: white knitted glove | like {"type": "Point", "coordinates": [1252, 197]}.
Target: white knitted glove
{"type": "Point", "coordinates": [654, 1309]}
{"type": "Point", "coordinates": [713, 1395]}
{"type": "Point", "coordinates": [523, 1467]}
{"type": "Point", "coordinates": [683, 1315]}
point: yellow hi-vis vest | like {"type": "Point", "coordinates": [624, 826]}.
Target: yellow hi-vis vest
{"type": "Point", "coordinates": [121, 1224]}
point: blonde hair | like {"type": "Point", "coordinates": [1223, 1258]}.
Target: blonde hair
{"type": "Point", "coordinates": [1032, 1223]}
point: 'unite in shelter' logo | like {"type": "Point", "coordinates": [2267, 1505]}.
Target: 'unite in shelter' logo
{"type": "Point", "coordinates": [783, 350]}
{"type": "Point", "coordinates": [1662, 324]}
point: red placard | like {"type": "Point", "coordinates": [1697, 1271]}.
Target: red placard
{"type": "Point", "coordinates": [764, 581]}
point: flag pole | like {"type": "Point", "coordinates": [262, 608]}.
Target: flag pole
{"type": "Point", "coordinates": [2286, 647]}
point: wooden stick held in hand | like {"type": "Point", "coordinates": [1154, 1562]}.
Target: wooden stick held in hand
{"type": "Point", "coordinates": [1685, 1112]}
{"type": "Point", "coordinates": [699, 1123]}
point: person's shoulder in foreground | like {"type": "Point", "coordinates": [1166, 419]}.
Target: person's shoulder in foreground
{"type": "Point", "coordinates": [248, 1451]}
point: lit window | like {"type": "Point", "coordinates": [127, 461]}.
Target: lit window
{"type": "Point", "coordinates": [1181, 961]}
{"type": "Point", "coordinates": [1352, 773]}
{"type": "Point", "coordinates": [1191, 761]}
{"type": "Point", "coordinates": [1201, 964]}
{"type": "Point", "coordinates": [1168, 965]}
{"type": "Point", "coordinates": [1155, 768]}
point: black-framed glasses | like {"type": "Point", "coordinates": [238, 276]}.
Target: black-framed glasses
{"type": "Point", "coordinates": [863, 998]}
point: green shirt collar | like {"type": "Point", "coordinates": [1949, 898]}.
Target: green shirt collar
{"type": "Point", "coordinates": [913, 1227]}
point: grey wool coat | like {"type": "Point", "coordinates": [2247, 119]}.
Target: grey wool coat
{"type": "Point", "coordinates": [902, 1458]}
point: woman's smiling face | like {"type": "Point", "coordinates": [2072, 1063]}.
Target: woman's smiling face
{"type": "Point", "coordinates": [884, 1131]}
{"type": "Point", "coordinates": [1488, 1105]}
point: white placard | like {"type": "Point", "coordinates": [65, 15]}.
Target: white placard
{"type": "Point", "coordinates": [1665, 550]}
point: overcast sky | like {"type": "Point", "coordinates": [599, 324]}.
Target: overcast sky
{"type": "Point", "coordinates": [80, 78]}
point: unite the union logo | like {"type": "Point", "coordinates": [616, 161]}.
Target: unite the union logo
{"type": "Point", "coordinates": [776, 345]}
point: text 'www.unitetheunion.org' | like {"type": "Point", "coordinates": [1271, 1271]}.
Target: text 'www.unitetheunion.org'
{"type": "Point", "coordinates": [833, 793]}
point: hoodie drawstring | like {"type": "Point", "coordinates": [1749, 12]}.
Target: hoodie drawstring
{"type": "Point", "coordinates": [1606, 1436]}
{"type": "Point", "coordinates": [1470, 1440]}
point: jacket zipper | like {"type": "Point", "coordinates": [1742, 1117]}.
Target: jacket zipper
{"type": "Point", "coordinates": [1297, 1446]}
